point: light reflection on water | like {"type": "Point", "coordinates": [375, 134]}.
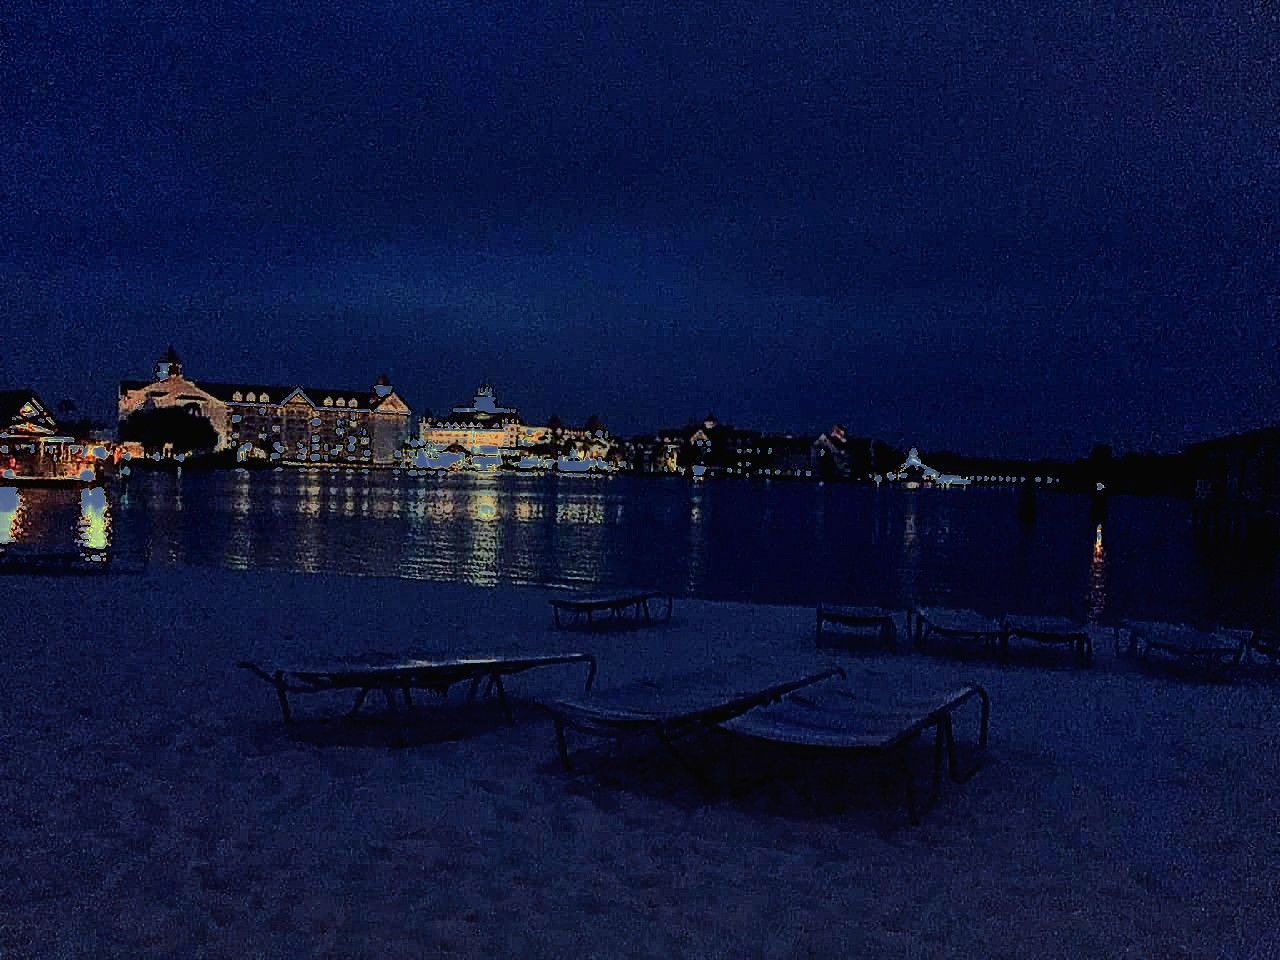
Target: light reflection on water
{"type": "Point", "coordinates": [11, 506]}
{"type": "Point", "coordinates": [94, 528]}
{"type": "Point", "coordinates": [777, 542]}
{"type": "Point", "coordinates": [1098, 579]}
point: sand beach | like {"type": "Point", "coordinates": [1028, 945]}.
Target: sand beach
{"type": "Point", "coordinates": [154, 805]}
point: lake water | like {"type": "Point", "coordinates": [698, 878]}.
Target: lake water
{"type": "Point", "coordinates": [773, 542]}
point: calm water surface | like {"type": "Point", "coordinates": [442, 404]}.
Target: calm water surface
{"type": "Point", "coordinates": [768, 542]}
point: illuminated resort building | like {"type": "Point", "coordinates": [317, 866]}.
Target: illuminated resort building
{"type": "Point", "coordinates": [33, 449]}
{"type": "Point", "coordinates": [712, 448]}
{"type": "Point", "coordinates": [287, 423]}
{"type": "Point", "coordinates": [486, 430]}
{"type": "Point", "coordinates": [479, 426]}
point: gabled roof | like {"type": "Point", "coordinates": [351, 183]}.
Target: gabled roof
{"type": "Point", "coordinates": [11, 404]}
{"type": "Point", "coordinates": [277, 393]}
{"type": "Point", "coordinates": [11, 401]}
{"type": "Point", "coordinates": [390, 402]}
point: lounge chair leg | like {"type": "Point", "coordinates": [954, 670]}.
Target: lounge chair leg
{"type": "Point", "coordinates": [283, 696]}
{"type": "Point", "coordinates": [355, 708]}
{"type": "Point", "coordinates": [953, 765]}
{"type": "Point", "coordinates": [390, 694]}
{"type": "Point", "coordinates": [562, 746]}
{"type": "Point", "coordinates": [496, 682]}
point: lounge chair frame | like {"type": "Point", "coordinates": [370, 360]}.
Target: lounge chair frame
{"type": "Point", "coordinates": [892, 752]}
{"type": "Point", "coordinates": [632, 605]}
{"type": "Point", "coordinates": [1213, 661]}
{"type": "Point", "coordinates": [665, 727]}
{"type": "Point", "coordinates": [857, 617]}
{"type": "Point", "coordinates": [921, 628]}
{"type": "Point", "coordinates": [1080, 640]}
{"type": "Point", "coordinates": [1265, 644]}
{"type": "Point", "coordinates": [82, 562]}
{"type": "Point", "coordinates": [436, 676]}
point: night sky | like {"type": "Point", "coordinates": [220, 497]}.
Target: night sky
{"type": "Point", "coordinates": [1000, 228]}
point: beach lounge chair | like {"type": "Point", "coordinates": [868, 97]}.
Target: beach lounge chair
{"type": "Point", "coordinates": [85, 561]}
{"type": "Point", "coordinates": [878, 722]}
{"type": "Point", "coordinates": [664, 713]}
{"type": "Point", "coordinates": [402, 676]}
{"type": "Point", "coordinates": [965, 625]}
{"type": "Point", "coordinates": [1265, 643]}
{"type": "Point", "coordinates": [1061, 630]}
{"type": "Point", "coordinates": [634, 605]}
{"type": "Point", "coordinates": [1215, 652]}
{"type": "Point", "coordinates": [859, 620]}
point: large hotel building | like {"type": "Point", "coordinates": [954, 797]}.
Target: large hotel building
{"type": "Point", "coordinates": [289, 424]}
{"type": "Point", "coordinates": [484, 427]}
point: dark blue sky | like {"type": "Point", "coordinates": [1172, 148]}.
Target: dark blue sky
{"type": "Point", "coordinates": [1004, 228]}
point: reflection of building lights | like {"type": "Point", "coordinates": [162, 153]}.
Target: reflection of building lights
{"type": "Point", "coordinates": [1097, 578]}
{"type": "Point", "coordinates": [590, 511]}
{"type": "Point", "coordinates": [484, 507]}
{"type": "Point", "coordinates": [527, 509]}
{"type": "Point", "coordinates": [308, 548]}
{"type": "Point", "coordinates": [94, 526]}
{"type": "Point", "coordinates": [11, 508]}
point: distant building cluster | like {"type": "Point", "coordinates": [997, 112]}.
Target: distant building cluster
{"type": "Point", "coordinates": [287, 423]}
{"type": "Point", "coordinates": [495, 435]}
{"type": "Point", "coordinates": [295, 424]}
{"type": "Point", "coordinates": [711, 448]}
{"type": "Point", "coordinates": [34, 448]}
{"type": "Point", "coordinates": [298, 424]}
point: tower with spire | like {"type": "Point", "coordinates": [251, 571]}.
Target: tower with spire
{"type": "Point", "coordinates": [169, 365]}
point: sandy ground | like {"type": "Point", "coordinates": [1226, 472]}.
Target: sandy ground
{"type": "Point", "coordinates": [153, 805]}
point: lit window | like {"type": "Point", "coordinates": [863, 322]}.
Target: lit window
{"type": "Point", "coordinates": [341, 402]}
{"type": "Point", "coordinates": [263, 398]}
{"type": "Point", "coordinates": [252, 398]}
{"type": "Point", "coordinates": [328, 401]}
{"type": "Point", "coordinates": [236, 398]}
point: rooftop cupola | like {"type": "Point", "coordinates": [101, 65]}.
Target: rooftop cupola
{"type": "Point", "coordinates": [169, 365]}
